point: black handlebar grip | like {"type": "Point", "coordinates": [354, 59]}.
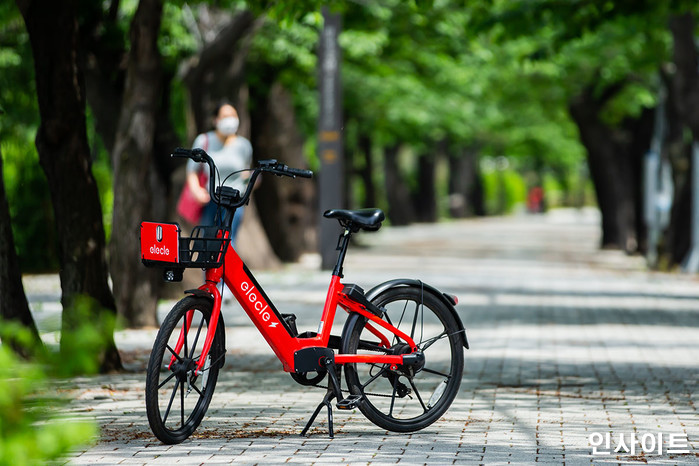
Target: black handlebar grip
{"type": "Point", "coordinates": [299, 172]}
{"type": "Point", "coordinates": [181, 152]}
{"type": "Point", "coordinates": [196, 154]}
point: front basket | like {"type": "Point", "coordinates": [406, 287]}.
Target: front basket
{"type": "Point", "coordinates": [163, 246]}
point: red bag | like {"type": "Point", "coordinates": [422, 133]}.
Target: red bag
{"type": "Point", "coordinates": [188, 206]}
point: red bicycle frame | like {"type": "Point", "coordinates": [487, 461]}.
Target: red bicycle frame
{"type": "Point", "coordinates": [272, 326]}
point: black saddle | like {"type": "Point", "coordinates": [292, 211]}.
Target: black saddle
{"type": "Point", "coordinates": [365, 219]}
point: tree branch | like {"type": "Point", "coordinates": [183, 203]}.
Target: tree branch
{"type": "Point", "coordinates": [219, 48]}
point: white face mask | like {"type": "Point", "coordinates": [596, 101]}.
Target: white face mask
{"type": "Point", "coordinates": [227, 126]}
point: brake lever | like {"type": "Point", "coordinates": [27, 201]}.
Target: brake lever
{"type": "Point", "coordinates": [270, 163]}
{"type": "Point", "coordinates": [198, 155]}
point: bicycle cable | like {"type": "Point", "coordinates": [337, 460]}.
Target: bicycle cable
{"type": "Point", "coordinates": [218, 204]}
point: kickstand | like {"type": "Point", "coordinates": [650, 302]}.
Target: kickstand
{"type": "Point", "coordinates": [326, 402]}
{"type": "Point", "coordinates": [334, 391]}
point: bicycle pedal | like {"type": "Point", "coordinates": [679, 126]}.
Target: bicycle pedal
{"type": "Point", "coordinates": [351, 402]}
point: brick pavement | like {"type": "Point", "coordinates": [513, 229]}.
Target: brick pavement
{"type": "Point", "coordinates": [566, 341]}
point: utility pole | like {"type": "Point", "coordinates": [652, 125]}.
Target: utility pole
{"type": "Point", "coordinates": [331, 177]}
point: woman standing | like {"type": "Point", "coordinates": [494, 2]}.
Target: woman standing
{"type": "Point", "coordinates": [231, 153]}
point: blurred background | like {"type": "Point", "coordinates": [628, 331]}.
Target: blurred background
{"type": "Point", "coordinates": [449, 109]}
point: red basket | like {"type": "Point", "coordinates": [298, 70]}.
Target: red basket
{"type": "Point", "coordinates": [163, 246]}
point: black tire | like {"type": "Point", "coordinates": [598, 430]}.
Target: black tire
{"type": "Point", "coordinates": [394, 399]}
{"type": "Point", "coordinates": [176, 400]}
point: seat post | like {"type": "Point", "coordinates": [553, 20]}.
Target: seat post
{"type": "Point", "coordinates": [342, 245]}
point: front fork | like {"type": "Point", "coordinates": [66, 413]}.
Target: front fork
{"type": "Point", "coordinates": [210, 288]}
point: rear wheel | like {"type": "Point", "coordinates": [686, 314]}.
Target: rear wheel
{"type": "Point", "coordinates": [176, 398]}
{"type": "Point", "coordinates": [398, 399]}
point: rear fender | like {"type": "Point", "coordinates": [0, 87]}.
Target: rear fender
{"type": "Point", "coordinates": [446, 299]}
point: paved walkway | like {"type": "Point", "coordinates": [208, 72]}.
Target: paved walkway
{"type": "Point", "coordinates": [567, 342]}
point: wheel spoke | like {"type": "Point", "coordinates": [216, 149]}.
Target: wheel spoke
{"type": "Point", "coordinates": [400, 321]}
{"type": "Point", "coordinates": [417, 311]}
{"type": "Point", "coordinates": [197, 390]}
{"type": "Point", "coordinates": [186, 331]}
{"type": "Point", "coordinates": [431, 371]}
{"type": "Point", "coordinates": [417, 394]}
{"type": "Point", "coordinates": [172, 374]}
{"type": "Point", "coordinates": [393, 400]}
{"type": "Point", "coordinates": [169, 405]}
{"type": "Point", "coordinates": [427, 343]}
{"type": "Point", "coordinates": [179, 359]}
{"type": "Point", "coordinates": [374, 377]}
{"type": "Point", "coordinates": [196, 338]}
{"type": "Point", "coordinates": [402, 314]}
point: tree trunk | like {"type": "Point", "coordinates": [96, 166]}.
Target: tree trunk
{"type": "Point", "coordinates": [682, 111]}
{"type": "Point", "coordinates": [103, 48]}
{"type": "Point", "coordinates": [64, 155]}
{"type": "Point", "coordinates": [615, 160]}
{"type": "Point", "coordinates": [465, 187]}
{"type": "Point", "coordinates": [400, 206]}
{"type": "Point", "coordinates": [686, 77]}
{"type": "Point", "coordinates": [425, 199]}
{"type": "Point", "coordinates": [13, 306]}
{"type": "Point", "coordinates": [139, 189]}
{"type": "Point", "coordinates": [675, 242]}
{"type": "Point", "coordinates": [286, 205]}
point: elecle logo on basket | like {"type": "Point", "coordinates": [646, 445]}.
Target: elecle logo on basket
{"type": "Point", "coordinates": [259, 306]}
{"type": "Point", "coordinates": [164, 251]}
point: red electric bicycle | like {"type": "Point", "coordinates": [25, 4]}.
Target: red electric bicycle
{"type": "Point", "coordinates": [401, 346]}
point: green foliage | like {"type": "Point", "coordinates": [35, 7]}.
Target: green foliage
{"type": "Point", "coordinates": [420, 76]}
{"type": "Point", "coordinates": [176, 40]}
{"type": "Point", "coordinates": [30, 207]}
{"type": "Point", "coordinates": [286, 52]}
{"type": "Point", "coordinates": [505, 190]}
{"type": "Point", "coordinates": [30, 431]}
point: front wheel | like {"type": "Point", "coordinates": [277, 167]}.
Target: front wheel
{"type": "Point", "coordinates": [396, 399]}
{"type": "Point", "coordinates": [176, 398]}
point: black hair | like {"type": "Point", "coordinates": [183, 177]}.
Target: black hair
{"type": "Point", "coordinates": [219, 104]}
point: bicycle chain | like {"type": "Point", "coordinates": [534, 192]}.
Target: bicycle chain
{"type": "Point", "coordinates": [365, 393]}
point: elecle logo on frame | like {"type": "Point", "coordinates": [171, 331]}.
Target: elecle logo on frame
{"type": "Point", "coordinates": [259, 306]}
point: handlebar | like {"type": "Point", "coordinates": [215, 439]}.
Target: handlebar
{"type": "Point", "coordinates": [280, 169]}
{"type": "Point", "coordinates": [269, 166]}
